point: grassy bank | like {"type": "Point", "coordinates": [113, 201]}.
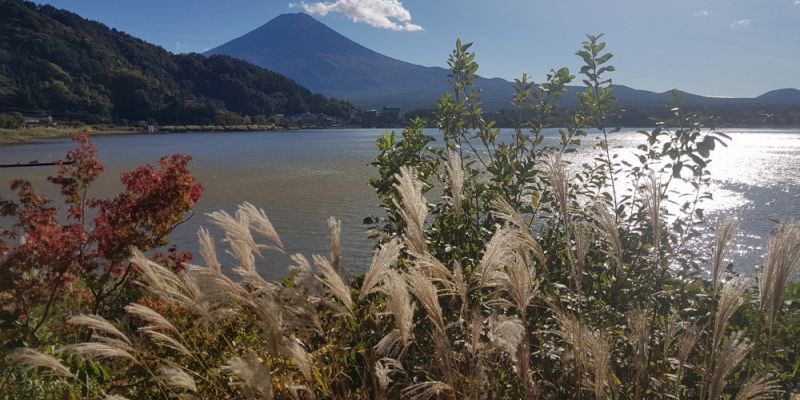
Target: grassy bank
{"type": "Point", "coordinates": [21, 135]}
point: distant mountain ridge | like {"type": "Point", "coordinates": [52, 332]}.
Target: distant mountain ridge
{"type": "Point", "coordinates": [316, 56]}
{"type": "Point", "coordinates": [53, 60]}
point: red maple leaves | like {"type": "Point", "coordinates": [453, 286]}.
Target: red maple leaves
{"type": "Point", "coordinates": [43, 253]}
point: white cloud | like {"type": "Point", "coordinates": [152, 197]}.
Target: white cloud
{"type": "Point", "coordinates": [741, 24]}
{"type": "Point", "coordinates": [797, 2]}
{"type": "Point", "coordinates": [386, 14]}
{"type": "Point", "coordinates": [703, 13]}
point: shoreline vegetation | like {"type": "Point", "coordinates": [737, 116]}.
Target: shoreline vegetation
{"type": "Point", "coordinates": [520, 277]}
{"type": "Point", "coordinates": [27, 135]}
{"type": "Point", "coordinates": [32, 134]}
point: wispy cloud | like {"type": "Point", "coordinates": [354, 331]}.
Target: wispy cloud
{"type": "Point", "coordinates": [797, 2]}
{"type": "Point", "coordinates": [741, 24]}
{"type": "Point", "coordinates": [703, 13]}
{"type": "Point", "coordinates": [385, 14]}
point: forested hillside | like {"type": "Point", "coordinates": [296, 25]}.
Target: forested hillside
{"type": "Point", "coordinates": [56, 61]}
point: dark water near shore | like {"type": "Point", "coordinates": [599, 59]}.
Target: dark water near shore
{"type": "Point", "coordinates": [301, 177]}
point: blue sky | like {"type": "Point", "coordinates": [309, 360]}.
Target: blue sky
{"type": "Point", "coordinates": [711, 47]}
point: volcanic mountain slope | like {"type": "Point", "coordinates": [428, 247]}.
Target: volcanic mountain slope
{"type": "Point", "coordinates": [316, 56]}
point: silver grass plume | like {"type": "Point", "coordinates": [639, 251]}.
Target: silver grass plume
{"type": "Point", "coordinates": [382, 261]}
{"type": "Point", "coordinates": [335, 228]}
{"type": "Point", "coordinates": [431, 267]}
{"type": "Point", "coordinates": [400, 306]}
{"type": "Point", "coordinates": [255, 377]}
{"type": "Point", "coordinates": [670, 330]}
{"type": "Point", "coordinates": [759, 388]}
{"type": "Point", "coordinates": [730, 299]}
{"type": "Point", "coordinates": [259, 285]}
{"type": "Point", "coordinates": [293, 350]}
{"type": "Point", "coordinates": [99, 350]}
{"type": "Point", "coordinates": [783, 261]}
{"type": "Point", "coordinates": [686, 342]}
{"type": "Point", "coordinates": [575, 335]}
{"type": "Point", "coordinates": [639, 331]}
{"type": "Point", "coordinates": [300, 268]}
{"type": "Point", "coordinates": [518, 279]}
{"type": "Point", "coordinates": [730, 354]}
{"type": "Point", "coordinates": [162, 339]}
{"type": "Point", "coordinates": [221, 290]}
{"type": "Point", "coordinates": [506, 334]}
{"type": "Point", "coordinates": [608, 227]}
{"type": "Point", "coordinates": [220, 297]}
{"type": "Point", "coordinates": [208, 250]}
{"type": "Point", "coordinates": [98, 324]}
{"type": "Point", "coordinates": [455, 172]}
{"type": "Point", "coordinates": [592, 351]}
{"type": "Point", "coordinates": [427, 390]}
{"type": "Point", "coordinates": [257, 220]}
{"type": "Point", "coordinates": [425, 291]}
{"type": "Point", "coordinates": [582, 238]}
{"type": "Point", "coordinates": [506, 212]}
{"type": "Point", "coordinates": [529, 246]}
{"type": "Point", "coordinates": [156, 320]}
{"type": "Point", "coordinates": [460, 286]}
{"type": "Point", "coordinates": [383, 369]}
{"type": "Point", "coordinates": [163, 283]}
{"type": "Point", "coordinates": [427, 294]}
{"type": "Point", "coordinates": [27, 358]}
{"type": "Point", "coordinates": [722, 245]}
{"type": "Point", "coordinates": [498, 252]}
{"type": "Point", "coordinates": [412, 207]}
{"type": "Point", "coordinates": [601, 348]}
{"type": "Point", "coordinates": [176, 377]}
{"type": "Point", "coordinates": [334, 282]}
{"type": "Point", "coordinates": [247, 266]}
{"type": "Point", "coordinates": [269, 317]}
{"type": "Point", "coordinates": [652, 197]}
{"type": "Point", "coordinates": [237, 230]}
{"type": "Point", "coordinates": [560, 185]}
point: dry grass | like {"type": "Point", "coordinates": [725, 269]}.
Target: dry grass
{"type": "Point", "coordinates": [722, 245]}
{"type": "Point", "coordinates": [413, 208]}
{"type": "Point", "coordinates": [782, 263]}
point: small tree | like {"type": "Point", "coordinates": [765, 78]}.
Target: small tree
{"type": "Point", "coordinates": [46, 255]}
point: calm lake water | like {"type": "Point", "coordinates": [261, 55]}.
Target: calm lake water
{"type": "Point", "coordinates": [300, 178]}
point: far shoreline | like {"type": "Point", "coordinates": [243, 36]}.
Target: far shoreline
{"type": "Point", "coordinates": [35, 134]}
{"type": "Point", "coordinates": [10, 137]}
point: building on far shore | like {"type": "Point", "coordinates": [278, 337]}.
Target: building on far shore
{"type": "Point", "coordinates": [369, 118]}
{"type": "Point", "coordinates": [386, 117]}
{"type": "Point", "coordinates": [38, 121]}
{"type": "Point", "coordinates": [308, 119]}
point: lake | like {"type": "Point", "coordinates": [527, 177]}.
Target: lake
{"type": "Point", "coordinates": [300, 178]}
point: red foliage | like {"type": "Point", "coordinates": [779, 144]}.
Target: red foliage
{"type": "Point", "coordinates": [41, 254]}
